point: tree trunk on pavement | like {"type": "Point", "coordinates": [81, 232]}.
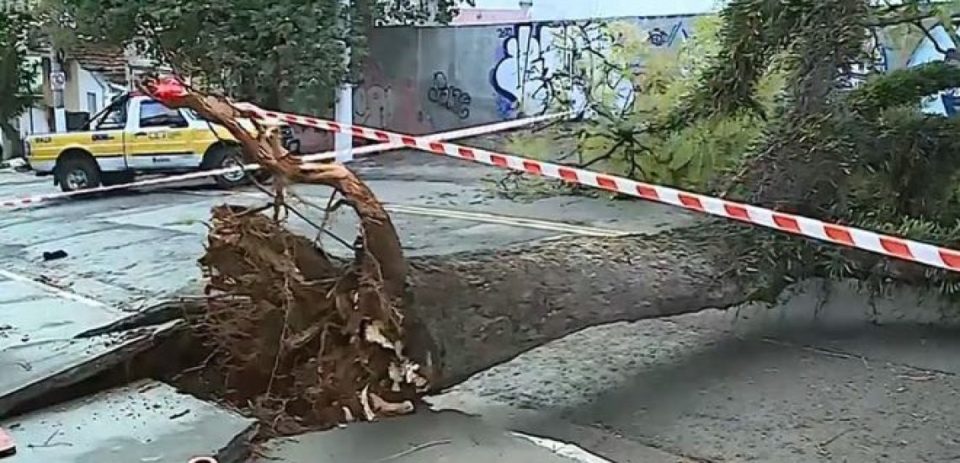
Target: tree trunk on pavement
{"type": "Point", "coordinates": [480, 309]}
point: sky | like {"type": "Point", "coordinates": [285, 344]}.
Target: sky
{"type": "Point", "coordinates": [581, 9]}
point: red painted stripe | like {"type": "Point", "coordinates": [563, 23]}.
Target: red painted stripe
{"type": "Point", "coordinates": [648, 192]}
{"type": "Point", "coordinates": [690, 202]}
{"type": "Point", "coordinates": [466, 153]}
{"type": "Point", "coordinates": [357, 131]}
{"type": "Point", "coordinates": [437, 147]}
{"type": "Point", "coordinates": [607, 183]}
{"type": "Point", "coordinates": [409, 141]}
{"type": "Point", "coordinates": [291, 118]}
{"type": "Point", "coordinates": [270, 114]}
{"type": "Point", "coordinates": [26, 200]}
{"type": "Point", "coordinates": [569, 175]}
{"type": "Point", "coordinates": [311, 121]}
{"type": "Point", "coordinates": [951, 258]}
{"type": "Point", "coordinates": [381, 135]}
{"type": "Point", "coordinates": [737, 212]}
{"type": "Point", "coordinates": [896, 247]}
{"type": "Point", "coordinates": [838, 234]}
{"type": "Point", "coordinates": [335, 127]}
{"type": "Point", "coordinates": [532, 167]}
{"type": "Point", "coordinates": [499, 160]}
{"type": "Point", "coordinates": [786, 222]}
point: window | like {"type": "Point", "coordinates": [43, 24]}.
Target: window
{"type": "Point", "coordinates": [92, 106]}
{"type": "Point", "coordinates": [154, 114]}
{"type": "Point", "coordinates": [114, 119]}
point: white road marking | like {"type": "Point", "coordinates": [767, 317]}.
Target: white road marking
{"type": "Point", "coordinates": [563, 449]}
{"type": "Point", "coordinates": [483, 217]}
{"type": "Point", "coordinates": [504, 220]}
{"type": "Point", "coordinates": [54, 290]}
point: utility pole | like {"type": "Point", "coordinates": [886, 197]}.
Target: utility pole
{"type": "Point", "coordinates": [57, 80]}
{"type": "Point", "coordinates": [344, 95]}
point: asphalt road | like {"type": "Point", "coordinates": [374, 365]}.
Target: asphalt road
{"type": "Point", "coordinates": [823, 377]}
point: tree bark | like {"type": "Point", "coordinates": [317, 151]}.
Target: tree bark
{"type": "Point", "coordinates": [480, 309]}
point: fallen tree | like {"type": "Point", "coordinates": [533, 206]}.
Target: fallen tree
{"type": "Point", "coordinates": [296, 333]}
{"type": "Point", "coordinates": [301, 337]}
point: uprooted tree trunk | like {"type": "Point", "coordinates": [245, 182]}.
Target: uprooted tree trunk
{"type": "Point", "coordinates": [296, 333]}
{"type": "Point", "coordinates": [484, 308]}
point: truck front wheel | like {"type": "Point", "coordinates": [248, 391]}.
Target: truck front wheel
{"type": "Point", "coordinates": [77, 173]}
{"type": "Point", "coordinates": [227, 156]}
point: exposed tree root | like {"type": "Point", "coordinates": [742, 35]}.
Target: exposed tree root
{"type": "Point", "coordinates": [298, 334]}
{"type": "Point", "coordinates": [293, 333]}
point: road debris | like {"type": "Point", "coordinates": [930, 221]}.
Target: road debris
{"type": "Point", "coordinates": [54, 255]}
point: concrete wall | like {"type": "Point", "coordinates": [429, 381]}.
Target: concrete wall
{"type": "Point", "coordinates": [420, 80]}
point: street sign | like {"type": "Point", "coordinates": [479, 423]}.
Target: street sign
{"type": "Point", "coordinates": [57, 81]}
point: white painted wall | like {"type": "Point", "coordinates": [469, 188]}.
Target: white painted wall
{"type": "Point", "coordinates": [81, 82]}
{"type": "Point", "coordinates": [548, 10]}
{"type": "Point", "coordinates": [34, 121]}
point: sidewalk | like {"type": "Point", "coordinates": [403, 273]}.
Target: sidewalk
{"type": "Point", "coordinates": [142, 422]}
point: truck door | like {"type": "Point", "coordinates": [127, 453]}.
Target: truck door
{"type": "Point", "coordinates": [158, 138]}
{"type": "Point", "coordinates": [107, 137]}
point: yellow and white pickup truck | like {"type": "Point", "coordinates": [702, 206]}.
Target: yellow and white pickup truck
{"type": "Point", "coordinates": [135, 135]}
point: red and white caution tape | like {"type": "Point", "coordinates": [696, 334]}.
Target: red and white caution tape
{"type": "Point", "coordinates": [892, 246]}
{"type": "Point", "coordinates": [450, 135]}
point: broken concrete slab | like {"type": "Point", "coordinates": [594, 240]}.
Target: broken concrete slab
{"type": "Point", "coordinates": [426, 437]}
{"type": "Point", "coordinates": [39, 351]}
{"type": "Point", "coordinates": [35, 368]}
{"type": "Point", "coordinates": [146, 421]}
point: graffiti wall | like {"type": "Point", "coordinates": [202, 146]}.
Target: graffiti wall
{"type": "Point", "coordinates": [419, 80]}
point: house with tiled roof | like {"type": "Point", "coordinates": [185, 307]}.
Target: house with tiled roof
{"type": "Point", "coordinates": [93, 75]}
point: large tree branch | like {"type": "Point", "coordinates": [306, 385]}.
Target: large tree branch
{"type": "Point", "coordinates": [904, 86]}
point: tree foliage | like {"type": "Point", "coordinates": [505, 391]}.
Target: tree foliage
{"type": "Point", "coordinates": [17, 72]}
{"type": "Point", "coordinates": [285, 54]}
{"type": "Point", "coordinates": [766, 106]}
{"type": "Point", "coordinates": [620, 133]}
{"type": "Point", "coordinates": [868, 157]}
